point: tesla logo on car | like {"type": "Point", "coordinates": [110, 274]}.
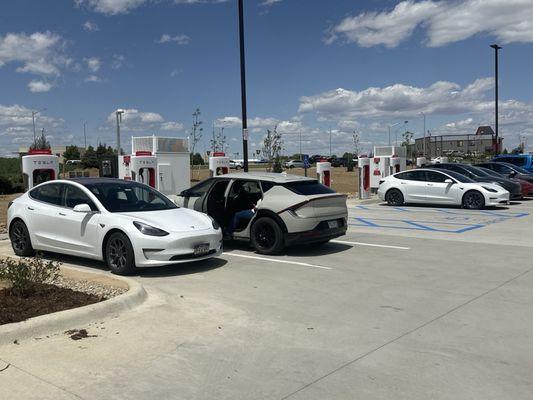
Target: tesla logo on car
{"type": "Point", "coordinates": [192, 227]}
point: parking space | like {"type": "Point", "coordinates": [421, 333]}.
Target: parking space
{"type": "Point", "coordinates": [414, 302]}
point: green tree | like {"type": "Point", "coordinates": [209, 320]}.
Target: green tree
{"type": "Point", "coordinates": [71, 153]}
{"type": "Point", "coordinates": [90, 158]}
{"type": "Point", "coordinates": [41, 143]}
{"type": "Point", "coordinates": [505, 151]}
{"type": "Point", "coordinates": [272, 145]}
{"type": "Point", "coordinates": [197, 159]}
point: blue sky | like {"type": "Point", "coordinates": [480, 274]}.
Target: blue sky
{"type": "Point", "coordinates": [313, 65]}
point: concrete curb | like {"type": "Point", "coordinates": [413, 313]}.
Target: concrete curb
{"type": "Point", "coordinates": [74, 318]}
{"type": "Point", "coordinates": [354, 202]}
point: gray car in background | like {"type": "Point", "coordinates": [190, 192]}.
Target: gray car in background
{"type": "Point", "coordinates": [288, 209]}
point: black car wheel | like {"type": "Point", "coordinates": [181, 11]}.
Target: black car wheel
{"type": "Point", "coordinates": [473, 200]}
{"type": "Point", "coordinates": [266, 236]}
{"type": "Point", "coordinates": [394, 197]}
{"type": "Point", "coordinates": [119, 254]}
{"type": "Point", "coordinates": [20, 239]}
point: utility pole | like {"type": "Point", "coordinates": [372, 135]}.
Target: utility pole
{"type": "Point", "coordinates": [330, 141]}
{"type": "Point", "coordinates": [119, 113]}
{"type": "Point", "coordinates": [496, 48]}
{"type": "Point", "coordinates": [243, 87]}
{"type": "Point", "coordinates": [424, 143]}
{"type": "Point", "coordinates": [85, 135]}
{"type": "Point", "coordinates": [392, 126]}
{"type": "Point", "coordinates": [301, 157]}
{"type": "Point", "coordinates": [33, 114]}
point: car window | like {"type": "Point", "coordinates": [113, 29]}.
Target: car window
{"type": "Point", "coordinates": [266, 186]}
{"type": "Point", "coordinates": [413, 175]}
{"type": "Point", "coordinates": [50, 193]}
{"type": "Point", "coordinates": [201, 188]}
{"type": "Point", "coordinates": [308, 188]}
{"type": "Point", "coordinates": [73, 196]}
{"type": "Point", "coordinates": [434, 176]}
{"type": "Point", "coordinates": [243, 187]}
{"type": "Point", "coordinates": [518, 161]}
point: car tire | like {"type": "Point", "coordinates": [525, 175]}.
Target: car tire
{"type": "Point", "coordinates": [291, 166]}
{"type": "Point", "coordinates": [20, 239]}
{"type": "Point", "coordinates": [119, 254]}
{"type": "Point", "coordinates": [473, 200]}
{"type": "Point", "coordinates": [266, 236]}
{"type": "Point", "coordinates": [394, 197]}
{"type": "Point", "coordinates": [238, 167]}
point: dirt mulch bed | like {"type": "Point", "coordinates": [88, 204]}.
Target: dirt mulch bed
{"type": "Point", "coordinates": [44, 300]}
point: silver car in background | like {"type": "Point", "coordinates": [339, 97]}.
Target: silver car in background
{"type": "Point", "coordinates": [288, 209]}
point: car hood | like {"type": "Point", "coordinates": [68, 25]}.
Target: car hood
{"type": "Point", "coordinates": [174, 220]}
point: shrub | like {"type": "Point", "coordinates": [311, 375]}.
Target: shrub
{"type": "Point", "coordinates": [27, 273]}
{"type": "Point", "coordinates": [6, 186]}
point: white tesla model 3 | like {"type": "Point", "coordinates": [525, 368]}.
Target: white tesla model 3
{"type": "Point", "coordinates": [125, 223]}
{"type": "Point", "coordinates": [440, 187]}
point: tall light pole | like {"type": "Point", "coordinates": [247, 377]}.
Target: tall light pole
{"type": "Point", "coordinates": [424, 143]}
{"type": "Point", "coordinates": [330, 141]}
{"type": "Point", "coordinates": [405, 130]}
{"type": "Point", "coordinates": [119, 113]}
{"type": "Point", "coordinates": [85, 134]}
{"type": "Point", "coordinates": [391, 126]}
{"type": "Point", "coordinates": [243, 88]}
{"type": "Point", "coordinates": [33, 114]}
{"type": "Point", "coordinates": [496, 48]}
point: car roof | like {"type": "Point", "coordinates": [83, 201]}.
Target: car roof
{"type": "Point", "coordinates": [87, 181]}
{"type": "Point", "coordinates": [266, 176]}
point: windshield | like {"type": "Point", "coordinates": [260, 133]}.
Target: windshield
{"type": "Point", "coordinates": [477, 171]}
{"type": "Point", "coordinates": [490, 172]}
{"type": "Point", "coordinates": [129, 197]}
{"type": "Point", "coordinates": [459, 177]}
{"type": "Point", "coordinates": [308, 188]}
{"type": "Point", "coordinates": [518, 169]}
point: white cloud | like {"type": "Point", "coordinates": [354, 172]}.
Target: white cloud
{"type": "Point", "coordinates": [199, 1]}
{"type": "Point", "coordinates": [180, 40]}
{"type": "Point", "coordinates": [175, 72]}
{"type": "Point", "coordinates": [111, 7]}
{"type": "Point", "coordinates": [93, 78]}
{"type": "Point", "coordinates": [90, 26]}
{"type": "Point", "coordinates": [268, 3]}
{"type": "Point", "coordinates": [93, 63]}
{"type": "Point", "coordinates": [141, 121]}
{"type": "Point", "coordinates": [171, 126]}
{"type": "Point", "coordinates": [39, 86]}
{"type": "Point", "coordinates": [442, 98]}
{"type": "Point", "coordinates": [228, 122]}
{"type": "Point", "coordinates": [444, 21]}
{"type": "Point", "coordinates": [41, 53]}
{"type": "Point", "coordinates": [118, 61]}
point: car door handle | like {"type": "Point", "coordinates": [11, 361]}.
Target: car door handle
{"type": "Point", "coordinates": [430, 184]}
{"type": "Point", "coordinates": [31, 208]}
{"type": "Point", "coordinates": [62, 214]}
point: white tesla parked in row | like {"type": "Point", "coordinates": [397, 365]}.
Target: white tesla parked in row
{"type": "Point", "coordinates": [125, 223]}
{"type": "Point", "coordinates": [440, 187]}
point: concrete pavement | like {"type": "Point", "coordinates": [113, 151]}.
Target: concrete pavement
{"type": "Point", "coordinates": [386, 313]}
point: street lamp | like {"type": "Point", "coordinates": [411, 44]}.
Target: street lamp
{"type": "Point", "coordinates": [33, 114]}
{"type": "Point", "coordinates": [424, 143]}
{"type": "Point", "coordinates": [391, 126]}
{"type": "Point", "coordinates": [119, 113]}
{"type": "Point", "coordinates": [496, 48]}
{"type": "Point", "coordinates": [243, 87]}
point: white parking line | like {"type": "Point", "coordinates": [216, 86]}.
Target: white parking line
{"type": "Point", "coordinates": [301, 264]}
{"type": "Point", "coordinates": [371, 245]}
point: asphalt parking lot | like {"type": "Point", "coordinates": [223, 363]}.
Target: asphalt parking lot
{"type": "Point", "coordinates": [413, 303]}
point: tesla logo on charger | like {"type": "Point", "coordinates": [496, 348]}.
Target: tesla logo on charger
{"type": "Point", "coordinates": [43, 162]}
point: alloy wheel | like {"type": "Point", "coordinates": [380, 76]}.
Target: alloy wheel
{"type": "Point", "coordinates": [117, 253]}
{"type": "Point", "coordinates": [19, 238]}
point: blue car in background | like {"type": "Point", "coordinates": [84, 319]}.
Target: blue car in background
{"type": "Point", "coordinates": [520, 160]}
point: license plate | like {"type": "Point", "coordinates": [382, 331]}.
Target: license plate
{"type": "Point", "coordinates": [201, 249]}
{"type": "Point", "coordinates": [333, 224]}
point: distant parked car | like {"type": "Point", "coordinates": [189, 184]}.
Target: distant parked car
{"type": "Point", "coordinates": [236, 164]}
{"type": "Point", "coordinates": [478, 175]}
{"type": "Point", "coordinates": [527, 187]}
{"type": "Point", "coordinates": [338, 162]}
{"type": "Point", "coordinates": [431, 186]}
{"type": "Point", "coordinates": [509, 170]}
{"type": "Point", "coordinates": [293, 164]}
{"type": "Point", "coordinates": [520, 160]}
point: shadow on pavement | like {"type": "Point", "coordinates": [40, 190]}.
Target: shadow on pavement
{"type": "Point", "coordinates": [446, 206]}
{"type": "Point", "coordinates": [309, 250]}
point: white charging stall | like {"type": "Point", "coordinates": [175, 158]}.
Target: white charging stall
{"type": "Point", "coordinates": [218, 164]}
{"type": "Point", "coordinates": [395, 165]}
{"type": "Point", "coordinates": [323, 172]}
{"type": "Point", "coordinates": [161, 162]}
{"type": "Point", "coordinates": [39, 166]}
{"type": "Point", "coordinates": [363, 164]}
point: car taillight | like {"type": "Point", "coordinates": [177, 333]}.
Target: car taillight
{"type": "Point", "coordinates": [9, 204]}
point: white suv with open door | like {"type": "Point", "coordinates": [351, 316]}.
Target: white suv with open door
{"type": "Point", "coordinates": [287, 209]}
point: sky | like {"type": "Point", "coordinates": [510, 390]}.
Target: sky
{"type": "Point", "coordinates": [313, 66]}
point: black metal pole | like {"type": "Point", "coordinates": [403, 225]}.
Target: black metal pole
{"type": "Point", "coordinates": [496, 123]}
{"type": "Point", "coordinates": [243, 88]}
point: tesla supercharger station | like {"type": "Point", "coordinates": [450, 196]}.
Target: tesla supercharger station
{"type": "Point", "coordinates": [141, 167]}
{"type": "Point", "coordinates": [421, 161]}
{"type": "Point", "coordinates": [218, 164]}
{"type": "Point", "coordinates": [395, 165]}
{"type": "Point", "coordinates": [364, 177]}
{"type": "Point", "coordinates": [323, 172]}
{"type": "Point", "coordinates": [39, 166]}
{"type": "Point", "coordinates": [379, 168]}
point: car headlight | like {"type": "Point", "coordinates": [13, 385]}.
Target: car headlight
{"type": "Point", "coordinates": [149, 230]}
{"type": "Point", "coordinates": [215, 224]}
{"type": "Point", "coordinates": [489, 189]}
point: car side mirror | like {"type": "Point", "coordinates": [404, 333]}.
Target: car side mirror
{"type": "Point", "coordinates": [448, 181]}
{"type": "Point", "coordinates": [512, 174]}
{"type": "Point", "coordinates": [82, 208]}
{"type": "Point", "coordinates": [185, 193]}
